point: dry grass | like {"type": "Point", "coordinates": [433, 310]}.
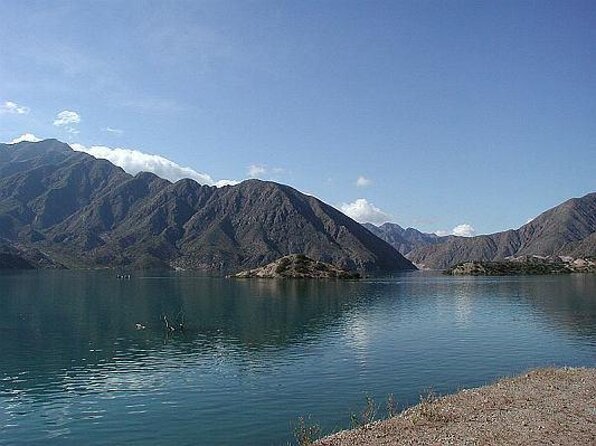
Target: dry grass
{"type": "Point", "coordinates": [366, 416]}
{"type": "Point", "coordinates": [546, 406]}
{"type": "Point", "coordinates": [306, 432]}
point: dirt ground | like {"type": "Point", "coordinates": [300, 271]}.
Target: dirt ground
{"type": "Point", "coordinates": [542, 407]}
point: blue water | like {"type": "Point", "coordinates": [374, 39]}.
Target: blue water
{"type": "Point", "coordinates": [257, 354]}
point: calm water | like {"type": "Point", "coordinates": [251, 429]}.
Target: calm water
{"type": "Point", "coordinates": [256, 355]}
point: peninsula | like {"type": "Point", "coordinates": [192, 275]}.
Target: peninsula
{"type": "Point", "coordinates": [554, 406]}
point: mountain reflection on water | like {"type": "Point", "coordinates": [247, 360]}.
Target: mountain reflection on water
{"type": "Point", "coordinates": [256, 354]}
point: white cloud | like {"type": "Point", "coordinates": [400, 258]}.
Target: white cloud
{"type": "Point", "coordinates": [66, 118]}
{"type": "Point", "coordinates": [134, 161]}
{"type": "Point", "coordinates": [256, 170]}
{"type": "Point", "coordinates": [363, 181]}
{"type": "Point", "coordinates": [114, 131]}
{"type": "Point", "coordinates": [263, 171]}
{"type": "Point", "coordinates": [222, 183]}
{"type": "Point", "coordinates": [28, 137]}
{"type": "Point", "coordinates": [364, 212]}
{"type": "Point", "coordinates": [463, 230]}
{"type": "Point", "coordinates": [14, 108]}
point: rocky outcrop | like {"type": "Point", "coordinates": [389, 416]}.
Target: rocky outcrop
{"type": "Point", "coordinates": [298, 266]}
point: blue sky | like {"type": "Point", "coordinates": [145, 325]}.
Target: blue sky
{"type": "Point", "coordinates": [450, 113]}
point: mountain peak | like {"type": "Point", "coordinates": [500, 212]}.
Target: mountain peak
{"type": "Point", "coordinates": [566, 229]}
{"type": "Point", "coordinates": [88, 212]}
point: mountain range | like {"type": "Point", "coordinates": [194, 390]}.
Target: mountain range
{"type": "Point", "coordinates": [568, 229]}
{"type": "Point", "coordinates": [404, 240]}
{"type": "Point", "coordinates": [62, 208]}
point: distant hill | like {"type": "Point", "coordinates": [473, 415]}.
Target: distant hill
{"type": "Point", "coordinates": [404, 240]}
{"type": "Point", "coordinates": [567, 229]}
{"type": "Point", "coordinates": [78, 211]}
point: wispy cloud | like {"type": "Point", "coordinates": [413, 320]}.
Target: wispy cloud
{"type": "Point", "coordinates": [150, 104]}
{"type": "Point", "coordinates": [176, 39]}
{"type": "Point", "coordinates": [113, 130]}
{"type": "Point", "coordinates": [25, 137]}
{"type": "Point", "coordinates": [256, 170]}
{"type": "Point", "coordinates": [363, 211]}
{"type": "Point", "coordinates": [363, 181]}
{"type": "Point", "coordinates": [67, 121]}
{"type": "Point", "coordinates": [135, 161]}
{"type": "Point", "coordinates": [463, 230]}
{"type": "Point", "coordinates": [67, 118]}
{"type": "Point", "coordinates": [263, 171]}
{"type": "Point", "coordinates": [14, 108]}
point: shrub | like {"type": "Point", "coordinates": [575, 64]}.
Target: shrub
{"type": "Point", "coordinates": [366, 416]}
{"type": "Point", "coordinates": [305, 432]}
{"type": "Point", "coordinates": [391, 406]}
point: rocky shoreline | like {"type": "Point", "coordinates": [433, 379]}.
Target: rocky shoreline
{"type": "Point", "coordinates": [524, 265]}
{"type": "Point", "coordinates": [545, 406]}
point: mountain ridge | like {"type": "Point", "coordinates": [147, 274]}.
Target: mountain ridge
{"type": "Point", "coordinates": [403, 239]}
{"type": "Point", "coordinates": [85, 212]}
{"type": "Point", "coordinates": [568, 229]}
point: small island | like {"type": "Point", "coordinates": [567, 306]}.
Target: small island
{"type": "Point", "coordinates": [298, 266]}
{"type": "Point", "coordinates": [524, 265]}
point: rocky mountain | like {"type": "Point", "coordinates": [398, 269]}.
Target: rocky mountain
{"type": "Point", "coordinates": [20, 257]}
{"type": "Point", "coordinates": [404, 240]}
{"type": "Point", "coordinates": [78, 211]}
{"type": "Point", "coordinates": [567, 229]}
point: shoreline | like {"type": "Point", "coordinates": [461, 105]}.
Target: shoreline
{"type": "Point", "coordinates": [543, 406]}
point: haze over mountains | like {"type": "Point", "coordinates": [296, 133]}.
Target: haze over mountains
{"type": "Point", "coordinates": [567, 229]}
{"type": "Point", "coordinates": [404, 240]}
{"type": "Point", "coordinates": [61, 207]}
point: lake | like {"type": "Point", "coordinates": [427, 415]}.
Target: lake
{"type": "Point", "coordinates": [255, 355]}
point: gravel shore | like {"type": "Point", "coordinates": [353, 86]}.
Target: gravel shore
{"type": "Point", "coordinates": [542, 407]}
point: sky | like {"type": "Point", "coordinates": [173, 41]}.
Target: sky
{"type": "Point", "coordinates": [464, 117]}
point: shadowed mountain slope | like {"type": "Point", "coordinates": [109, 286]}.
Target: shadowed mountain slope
{"type": "Point", "coordinates": [85, 212]}
{"type": "Point", "coordinates": [567, 229]}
